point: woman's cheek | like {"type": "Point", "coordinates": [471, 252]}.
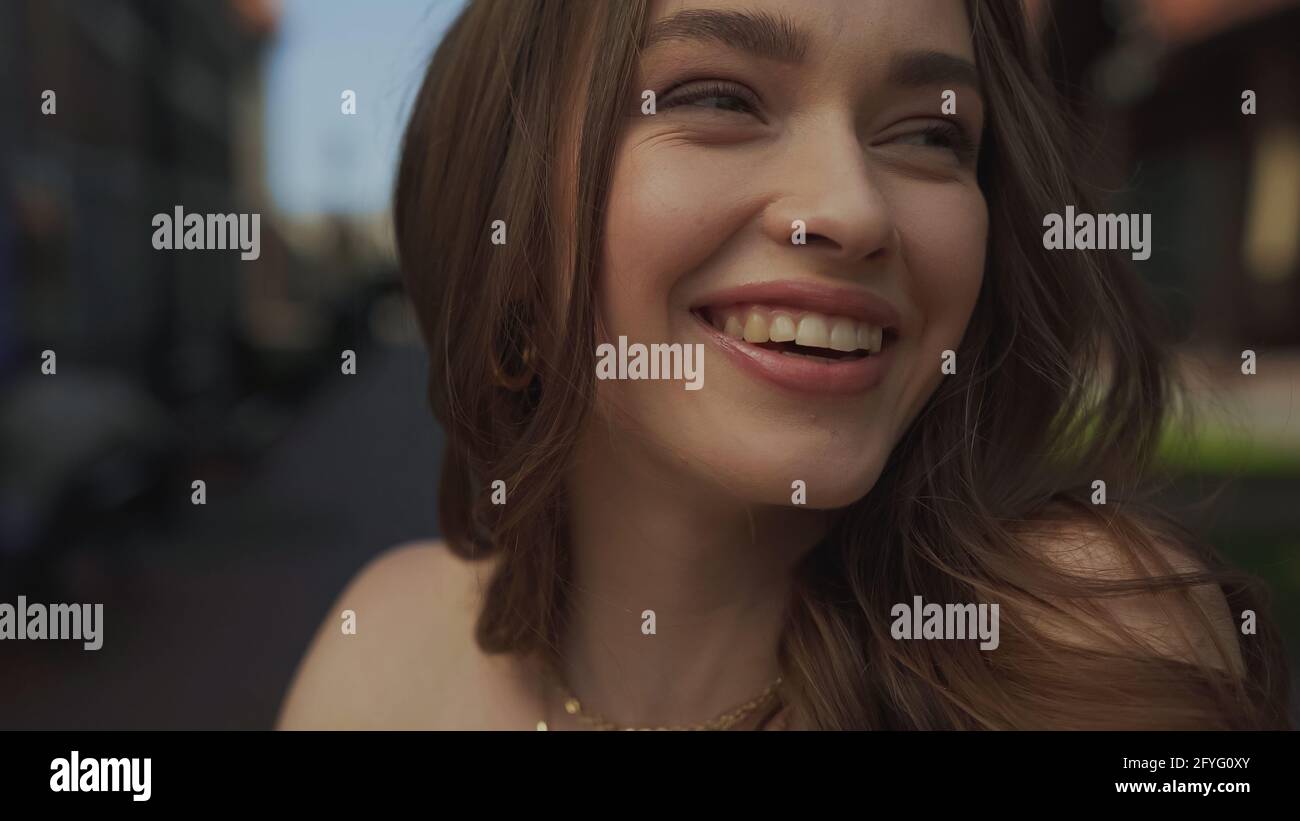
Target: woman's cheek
{"type": "Point", "coordinates": [944, 231]}
{"type": "Point", "coordinates": [637, 228]}
{"type": "Point", "coordinates": [651, 238]}
{"type": "Point", "coordinates": [665, 218]}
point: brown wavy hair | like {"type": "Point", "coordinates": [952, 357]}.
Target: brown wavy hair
{"type": "Point", "coordinates": [1066, 379]}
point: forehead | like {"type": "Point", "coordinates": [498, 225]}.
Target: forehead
{"type": "Point", "coordinates": [823, 30]}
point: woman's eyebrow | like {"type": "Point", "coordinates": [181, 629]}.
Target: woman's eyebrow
{"type": "Point", "coordinates": [776, 37]}
{"type": "Point", "coordinates": [761, 33]}
{"type": "Point", "coordinates": [928, 68]}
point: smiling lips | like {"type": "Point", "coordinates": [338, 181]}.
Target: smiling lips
{"type": "Point", "coordinates": [804, 337]}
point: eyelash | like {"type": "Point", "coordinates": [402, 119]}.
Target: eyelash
{"type": "Point", "coordinates": [956, 138]}
{"type": "Point", "coordinates": [705, 91]}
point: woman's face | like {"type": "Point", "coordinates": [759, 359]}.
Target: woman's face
{"type": "Point", "coordinates": [833, 124]}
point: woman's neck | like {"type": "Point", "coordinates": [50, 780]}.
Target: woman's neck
{"type": "Point", "coordinates": [709, 576]}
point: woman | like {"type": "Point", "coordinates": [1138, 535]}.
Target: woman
{"type": "Point", "coordinates": [906, 401]}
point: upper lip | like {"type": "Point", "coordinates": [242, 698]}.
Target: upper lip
{"type": "Point", "coordinates": [833, 300]}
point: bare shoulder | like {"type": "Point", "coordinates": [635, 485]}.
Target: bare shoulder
{"type": "Point", "coordinates": [396, 651]}
{"type": "Point", "coordinates": [1167, 625]}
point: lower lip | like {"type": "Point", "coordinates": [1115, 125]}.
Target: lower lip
{"type": "Point", "coordinates": [803, 374]}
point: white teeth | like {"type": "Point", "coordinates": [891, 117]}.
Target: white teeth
{"type": "Point", "coordinates": [843, 335]}
{"type": "Point", "coordinates": [812, 332]}
{"type": "Point", "coordinates": [762, 323]}
{"type": "Point", "coordinates": [756, 327]}
{"type": "Point", "coordinates": [782, 329]}
{"type": "Point", "coordinates": [734, 328]}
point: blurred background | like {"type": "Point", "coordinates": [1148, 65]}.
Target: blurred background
{"type": "Point", "coordinates": [177, 366]}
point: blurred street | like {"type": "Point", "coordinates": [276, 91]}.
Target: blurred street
{"type": "Point", "coordinates": [206, 618]}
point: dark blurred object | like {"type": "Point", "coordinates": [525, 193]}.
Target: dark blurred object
{"type": "Point", "coordinates": [119, 110]}
{"type": "Point", "coordinates": [81, 452]}
{"type": "Point", "coordinates": [1159, 84]}
{"type": "Point", "coordinates": [171, 365]}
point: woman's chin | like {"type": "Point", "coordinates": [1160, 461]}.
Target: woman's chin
{"type": "Point", "coordinates": [813, 488]}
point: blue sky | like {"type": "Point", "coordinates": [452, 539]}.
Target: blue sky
{"type": "Point", "coordinates": [319, 160]}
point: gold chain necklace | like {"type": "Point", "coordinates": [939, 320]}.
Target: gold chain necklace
{"type": "Point", "coordinates": [729, 719]}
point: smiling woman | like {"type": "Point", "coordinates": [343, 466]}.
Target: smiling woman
{"type": "Point", "coordinates": [840, 203]}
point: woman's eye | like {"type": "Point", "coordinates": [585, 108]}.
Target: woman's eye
{"type": "Point", "coordinates": [941, 136]}
{"type": "Point", "coordinates": [722, 97]}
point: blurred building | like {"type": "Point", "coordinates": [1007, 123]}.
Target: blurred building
{"type": "Point", "coordinates": [117, 111]}
{"type": "Point", "coordinates": [148, 116]}
{"type": "Point", "coordinates": [1160, 83]}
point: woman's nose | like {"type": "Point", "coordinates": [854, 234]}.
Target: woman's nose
{"type": "Point", "coordinates": [827, 200]}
